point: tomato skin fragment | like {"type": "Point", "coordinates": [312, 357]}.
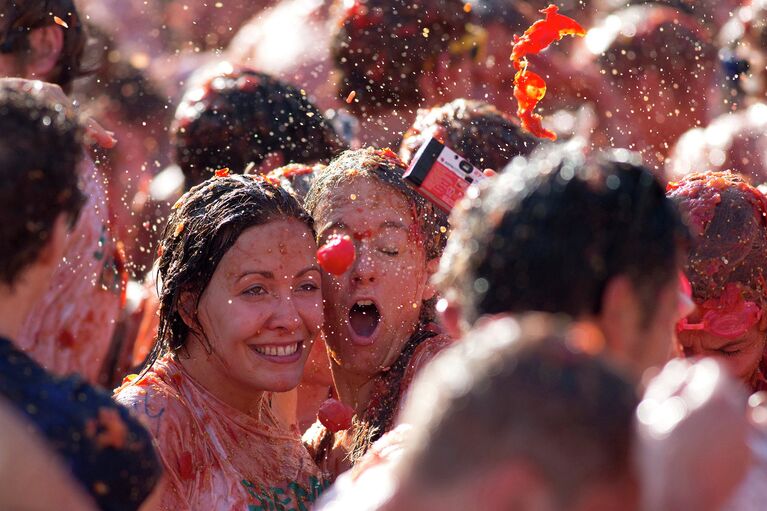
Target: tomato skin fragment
{"type": "Point", "coordinates": [529, 87]}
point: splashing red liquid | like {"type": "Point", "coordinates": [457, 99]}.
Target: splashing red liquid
{"type": "Point", "coordinates": [529, 87]}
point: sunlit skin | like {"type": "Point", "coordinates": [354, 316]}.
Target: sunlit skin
{"type": "Point", "coordinates": [390, 269]}
{"type": "Point", "coordinates": [261, 294]}
{"type": "Point", "coordinates": [741, 355]}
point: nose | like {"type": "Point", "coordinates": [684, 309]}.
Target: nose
{"type": "Point", "coordinates": [284, 316]}
{"type": "Point", "coordinates": [364, 269]}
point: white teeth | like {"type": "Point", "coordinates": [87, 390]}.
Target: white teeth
{"type": "Point", "coordinates": [277, 351]}
{"type": "Point", "coordinates": [363, 303]}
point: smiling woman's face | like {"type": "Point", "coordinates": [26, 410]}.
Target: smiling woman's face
{"type": "Point", "coordinates": [372, 309]}
{"type": "Point", "coordinates": [262, 309]}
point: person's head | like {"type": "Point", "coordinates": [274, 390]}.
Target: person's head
{"type": "Point", "coordinates": [386, 51]}
{"type": "Point", "coordinates": [239, 116]}
{"type": "Point", "coordinates": [39, 194]}
{"type": "Point", "coordinates": [240, 301]}
{"type": "Point", "coordinates": [474, 129]}
{"type": "Point", "coordinates": [726, 268]}
{"type": "Point", "coordinates": [373, 308]}
{"type": "Point", "coordinates": [660, 67]}
{"type": "Point", "coordinates": [594, 238]}
{"type": "Point", "coordinates": [42, 39]}
{"type": "Point", "coordinates": [515, 419]}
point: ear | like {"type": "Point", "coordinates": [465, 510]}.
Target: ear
{"type": "Point", "coordinates": [46, 44]}
{"type": "Point", "coordinates": [187, 304]}
{"type": "Point", "coordinates": [429, 291]}
{"type": "Point", "coordinates": [620, 316]}
{"type": "Point", "coordinates": [53, 251]}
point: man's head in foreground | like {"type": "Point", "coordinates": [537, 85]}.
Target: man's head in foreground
{"type": "Point", "coordinates": [593, 238]}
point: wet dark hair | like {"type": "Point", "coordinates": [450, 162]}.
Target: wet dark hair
{"type": "Point", "coordinates": [239, 117]}
{"type": "Point", "coordinates": [548, 235]}
{"type": "Point", "coordinates": [40, 147]}
{"type": "Point", "coordinates": [476, 130]}
{"type": "Point", "coordinates": [382, 46]}
{"type": "Point", "coordinates": [727, 217]}
{"type": "Point", "coordinates": [204, 224]}
{"type": "Point", "coordinates": [521, 395]}
{"type": "Point", "coordinates": [19, 17]}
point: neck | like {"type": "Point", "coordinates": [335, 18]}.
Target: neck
{"type": "Point", "coordinates": [209, 371]}
{"type": "Point", "coordinates": [353, 389]}
{"type": "Point", "coordinates": [15, 305]}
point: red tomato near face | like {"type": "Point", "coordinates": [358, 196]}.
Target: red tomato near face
{"type": "Point", "coordinates": [337, 255]}
{"type": "Point", "coordinates": [335, 415]}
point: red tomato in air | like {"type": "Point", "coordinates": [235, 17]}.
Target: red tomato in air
{"type": "Point", "coordinates": [335, 415]}
{"type": "Point", "coordinates": [337, 255]}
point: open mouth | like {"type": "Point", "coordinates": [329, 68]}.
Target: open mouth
{"type": "Point", "coordinates": [364, 318]}
{"type": "Point", "coordinates": [284, 353]}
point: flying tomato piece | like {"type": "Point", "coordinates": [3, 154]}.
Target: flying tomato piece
{"type": "Point", "coordinates": [529, 87]}
{"type": "Point", "coordinates": [337, 255]}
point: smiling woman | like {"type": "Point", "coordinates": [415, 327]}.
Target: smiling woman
{"type": "Point", "coordinates": [240, 306]}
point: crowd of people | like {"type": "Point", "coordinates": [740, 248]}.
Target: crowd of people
{"type": "Point", "coordinates": [586, 330]}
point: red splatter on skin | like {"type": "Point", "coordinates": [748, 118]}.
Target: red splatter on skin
{"type": "Point", "coordinates": [66, 339]}
{"type": "Point", "coordinates": [185, 466]}
{"type": "Point", "coordinates": [335, 415]}
{"type": "Point", "coordinates": [364, 235]}
{"type": "Point", "coordinates": [529, 87]}
{"type": "Point", "coordinates": [337, 255]}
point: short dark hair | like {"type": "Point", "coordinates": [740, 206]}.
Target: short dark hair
{"type": "Point", "coordinates": [547, 235]}
{"type": "Point", "coordinates": [519, 393]}
{"type": "Point", "coordinates": [203, 225]}
{"type": "Point", "coordinates": [476, 130]}
{"type": "Point", "coordinates": [40, 147]}
{"type": "Point", "coordinates": [239, 117]}
{"type": "Point", "coordinates": [19, 17]}
{"type": "Point", "coordinates": [382, 46]}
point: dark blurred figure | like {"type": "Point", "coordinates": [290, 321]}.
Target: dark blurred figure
{"type": "Point", "coordinates": [105, 449]}
{"type": "Point", "coordinates": [33, 44]}
{"type": "Point", "coordinates": [476, 130]}
{"type": "Point", "coordinates": [497, 422]}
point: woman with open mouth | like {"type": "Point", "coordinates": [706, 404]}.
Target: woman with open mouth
{"type": "Point", "coordinates": [378, 313]}
{"type": "Point", "coordinates": [240, 305]}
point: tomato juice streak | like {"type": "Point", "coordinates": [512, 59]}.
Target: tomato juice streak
{"type": "Point", "coordinates": [529, 87]}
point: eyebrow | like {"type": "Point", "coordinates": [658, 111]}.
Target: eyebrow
{"type": "Point", "coordinates": [306, 270]}
{"type": "Point", "coordinates": [270, 275]}
{"type": "Point", "coordinates": [265, 274]}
